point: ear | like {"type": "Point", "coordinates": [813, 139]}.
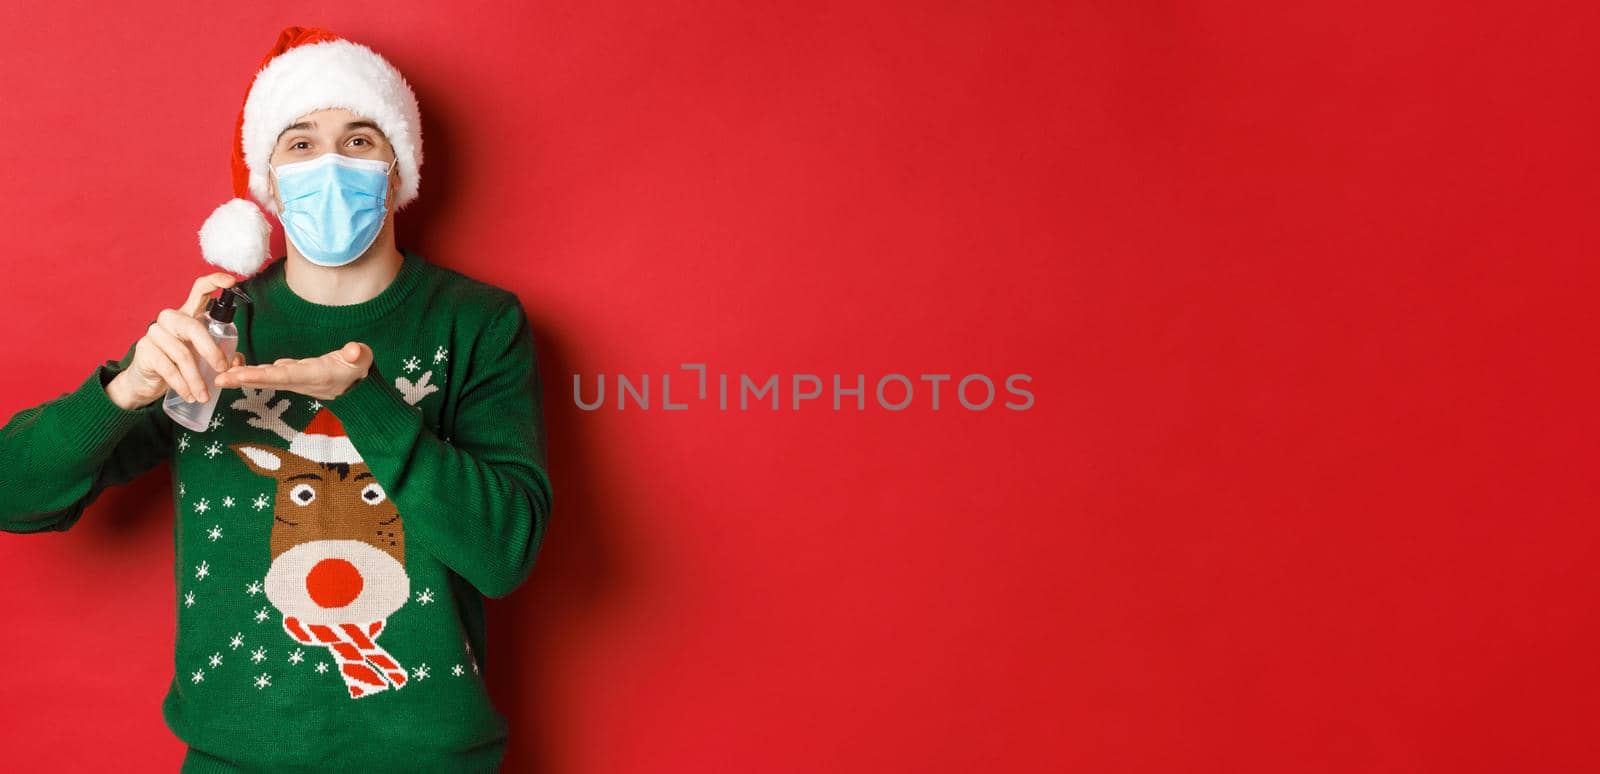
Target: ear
{"type": "Point", "coordinates": [272, 190]}
{"type": "Point", "coordinates": [264, 460]}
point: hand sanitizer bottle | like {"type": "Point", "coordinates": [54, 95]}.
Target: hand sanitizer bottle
{"type": "Point", "coordinates": [219, 323]}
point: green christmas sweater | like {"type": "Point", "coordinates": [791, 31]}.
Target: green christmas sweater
{"type": "Point", "coordinates": [331, 556]}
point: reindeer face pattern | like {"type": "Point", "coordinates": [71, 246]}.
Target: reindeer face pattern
{"type": "Point", "coordinates": [337, 543]}
{"type": "Point", "coordinates": [334, 532]}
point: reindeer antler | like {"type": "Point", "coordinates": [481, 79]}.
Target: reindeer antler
{"type": "Point", "coordinates": [414, 393]}
{"type": "Point", "coordinates": [267, 417]}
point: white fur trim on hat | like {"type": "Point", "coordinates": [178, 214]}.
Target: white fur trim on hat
{"type": "Point", "coordinates": [331, 74]}
{"type": "Point", "coordinates": [237, 237]}
{"type": "Point", "coordinates": [325, 448]}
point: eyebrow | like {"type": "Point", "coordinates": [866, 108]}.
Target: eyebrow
{"type": "Point", "coordinates": [350, 127]}
{"type": "Point", "coordinates": [303, 475]}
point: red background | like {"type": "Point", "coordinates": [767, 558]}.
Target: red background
{"type": "Point", "coordinates": [1305, 293]}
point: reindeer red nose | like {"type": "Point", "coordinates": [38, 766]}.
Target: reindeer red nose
{"type": "Point", "coordinates": [333, 583]}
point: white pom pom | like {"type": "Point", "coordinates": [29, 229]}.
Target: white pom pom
{"type": "Point", "coordinates": [236, 236]}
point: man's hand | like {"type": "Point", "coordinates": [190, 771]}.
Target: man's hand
{"type": "Point", "coordinates": [324, 378]}
{"type": "Point", "coordinates": [168, 356]}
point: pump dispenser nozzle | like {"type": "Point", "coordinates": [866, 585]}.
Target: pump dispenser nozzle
{"type": "Point", "coordinates": [226, 303]}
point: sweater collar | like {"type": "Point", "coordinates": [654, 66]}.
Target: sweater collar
{"type": "Point", "coordinates": [303, 312]}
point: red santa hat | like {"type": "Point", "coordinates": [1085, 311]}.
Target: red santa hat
{"type": "Point", "coordinates": [324, 440]}
{"type": "Point", "coordinates": [307, 70]}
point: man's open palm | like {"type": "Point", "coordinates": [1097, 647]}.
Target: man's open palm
{"type": "Point", "coordinates": [323, 378]}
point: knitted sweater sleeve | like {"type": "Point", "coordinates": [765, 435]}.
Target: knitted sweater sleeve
{"type": "Point", "coordinates": [56, 458]}
{"type": "Point", "coordinates": [479, 502]}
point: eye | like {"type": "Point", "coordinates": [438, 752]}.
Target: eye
{"type": "Point", "coordinates": [362, 139]}
{"type": "Point", "coordinates": [373, 494]}
{"type": "Point", "coordinates": [296, 145]}
{"type": "Point", "coordinates": [302, 494]}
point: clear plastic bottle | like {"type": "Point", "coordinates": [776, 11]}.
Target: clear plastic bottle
{"type": "Point", "coordinates": [219, 323]}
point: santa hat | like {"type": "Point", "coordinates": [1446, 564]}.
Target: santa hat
{"type": "Point", "coordinates": [324, 440]}
{"type": "Point", "coordinates": [307, 70]}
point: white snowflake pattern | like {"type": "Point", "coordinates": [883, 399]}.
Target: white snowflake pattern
{"type": "Point", "coordinates": [188, 599]}
{"type": "Point", "coordinates": [297, 656]}
{"type": "Point", "coordinates": [199, 674]}
{"type": "Point", "coordinates": [227, 502]}
{"type": "Point", "coordinates": [421, 672]}
{"type": "Point", "coordinates": [181, 489]}
{"type": "Point", "coordinates": [216, 660]}
{"type": "Point", "coordinates": [202, 506]}
{"type": "Point", "coordinates": [457, 670]}
{"type": "Point", "coordinates": [322, 666]}
{"type": "Point", "coordinates": [215, 533]}
{"type": "Point", "coordinates": [424, 596]}
{"type": "Point", "coordinates": [260, 502]}
{"type": "Point", "coordinates": [263, 680]}
{"type": "Point", "coordinates": [440, 354]}
{"type": "Point", "coordinates": [258, 654]}
{"type": "Point", "coordinates": [216, 421]}
{"type": "Point", "coordinates": [412, 363]}
{"type": "Point", "coordinates": [183, 442]}
{"type": "Point", "coordinates": [214, 449]}
{"type": "Point", "coordinates": [201, 570]}
{"type": "Point", "coordinates": [316, 405]}
{"type": "Point", "coordinates": [474, 663]}
{"type": "Point", "coordinates": [236, 640]}
{"type": "Point", "coordinates": [253, 589]}
{"type": "Point", "coordinates": [261, 615]}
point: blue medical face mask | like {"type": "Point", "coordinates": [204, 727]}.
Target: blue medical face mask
{"type": "Point", "coordinates": [333, 205]}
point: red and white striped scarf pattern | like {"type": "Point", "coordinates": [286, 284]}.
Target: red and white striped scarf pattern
{"type": "Point", "coordinates": [353, 648]}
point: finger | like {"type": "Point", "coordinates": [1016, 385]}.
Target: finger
{"type": "Point", "coordinates": [233, 376]}
{"type": "Point", "coordinates": [308, 376]}
{"type": "Point", "coordinates": [273, 375]}
{"type": "Point", "coordinates": [203, 288]}
{"type": "Point", "coordinates": [182, 357]}
{"type": "Point", "coordinates": [237, 376]}
{"type": "Point", "coordinates": [243, 374]}
{"type": "Point", "coordinates": [169, 374]}
{"type": "Point", "coordinates": [155, 358]}
{"type": "Point", "coordinates": [350, 354]}
{"type": "Point", "coordinates": [193, 331]}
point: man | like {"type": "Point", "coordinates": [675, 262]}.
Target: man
{"type": "Point", "coordinates": [374, 468]}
